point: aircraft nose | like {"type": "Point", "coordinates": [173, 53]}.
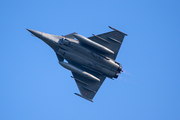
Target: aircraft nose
{"type": "Point", "coordinates": [47, 38]}
{"type": "Point", "coordinates": [35, 33]}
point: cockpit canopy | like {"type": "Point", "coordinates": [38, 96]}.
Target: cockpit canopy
{"type": "Point", "coordinates": [64, 41]}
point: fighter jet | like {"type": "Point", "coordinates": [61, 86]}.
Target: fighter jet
{"type": "Point", "coordinates": [90, 59]}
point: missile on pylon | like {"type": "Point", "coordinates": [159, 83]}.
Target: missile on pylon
{"type": "Point", "coordinates": [93, 44]}
{"type": "Point", "coordinates": [79, 71]}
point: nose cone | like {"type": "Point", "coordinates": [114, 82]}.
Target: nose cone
{"type": "Point", "coordinates": [47, 38]}
{"type": "Point", "coordinates": [35, 33]}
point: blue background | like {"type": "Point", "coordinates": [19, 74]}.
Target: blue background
{"type": "Point", "coordinates": [34, 86]}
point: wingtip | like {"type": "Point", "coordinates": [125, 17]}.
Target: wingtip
{"type": "Point", "coordinates": [83, 97]}
{"type": "Point", "coordinates": [117, 30]}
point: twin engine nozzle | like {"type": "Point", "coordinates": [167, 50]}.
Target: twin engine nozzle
{"type": "Point", "coordinates": [119, 70]}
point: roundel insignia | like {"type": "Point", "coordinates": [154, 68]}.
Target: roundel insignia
{"type": "Point", "coordinates": [86, 93]}
{"type": "Point", "coordinates": [115, 34]}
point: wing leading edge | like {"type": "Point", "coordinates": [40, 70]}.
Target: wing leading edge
{"type": "Point", "coordinates": [87, 87]}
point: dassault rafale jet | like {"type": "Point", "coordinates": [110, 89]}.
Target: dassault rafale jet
{"type": "Point", "coordinates": [90, 59]}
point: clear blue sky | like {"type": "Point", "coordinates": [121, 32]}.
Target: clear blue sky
{"type": "Point", "coordinates": [33, 86]}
